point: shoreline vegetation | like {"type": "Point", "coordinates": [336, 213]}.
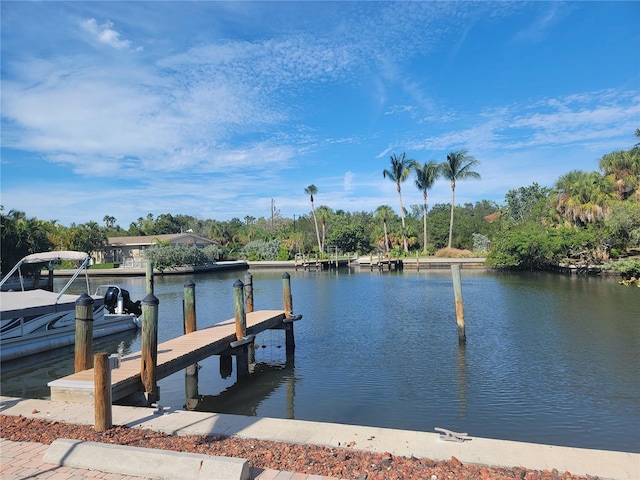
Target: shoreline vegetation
{"type": "Point", "coordinates": [585, 222]}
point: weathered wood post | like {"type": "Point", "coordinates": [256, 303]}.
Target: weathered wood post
{"type": "Point", "coordinates": [149, 347]}
{"type": "Point", "coordinates": [287, 298]}
{"type": "Point", "coordinates": [190, 325]}
{"type": "Point", "coordinates": [84, 333]}
{"type": "Point", "coordinates": [189, 307]}
{"type": "Point", "coordinates": [248, 306]}
{"type": "Point", "coordinates": [149, 277]}
{"type": "Point", "coordinates": [102, 387]}
{"type": "Point", "coordinates": [457, 292]}
{"type": "Point", "coordinates": [418, 261]}
{"type": "Point", "coordinates": [248, 291]}
{"type": "Point", "coordinates": [242, 355]}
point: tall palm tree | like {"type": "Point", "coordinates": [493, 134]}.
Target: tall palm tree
{"type": "Point", "coordinates": [385, 212]}
{"type": "Point", "coordinates": [458, 166]}
{"type": "Point", "coordinates": [400, 170]}
{"type": "Point", "coordinates": [426, 175]}
{"type": "Point", "coordinates": [312, 190]}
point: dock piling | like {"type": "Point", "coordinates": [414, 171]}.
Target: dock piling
{"type": "Point", "coordinates": [84, 333]}
{"type": "Point", "coordinates": [149, 277]}
{"type": "Point", "coordinates": [102, 388]}
{"type": "Point", "coordinates": [241, 344]}
{"type": "Point", "coordinates": [248, 292]}
{"type": "Point", "coordinates": [457, 291]}
{"type": "Point", "coordinates": [290, 342]}
{"type": "Point", "coordinates": [189, 307]}
{"type": "Point", "coordinates": [149, 347]}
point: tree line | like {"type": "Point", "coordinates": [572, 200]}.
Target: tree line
{"type": "Point", "coordinates": [585, 217]}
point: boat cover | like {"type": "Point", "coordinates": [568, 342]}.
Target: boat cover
{"type": "Point", "coordinates": [54, 256]}
{"type": "Point", "coordinates": [12, 301]}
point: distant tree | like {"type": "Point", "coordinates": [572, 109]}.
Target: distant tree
{"type": "Point", "coordinates": [21, 236]}
{"type": "Point", "coordinates": [400, 170]}
{"type": "Point", "coordinates": [88, 237]}
{"type": "Point", "coordinates": [312, 190]}
{"type": "Point", "coordinates": [458, 166]}
{"type": "Point", "coordinates": [426, 175]}
{"type": "Point", "coordinates": [584, 198]}
{"type": "Point", "coordinates": [109, 221]}
{"type": "Point", "coordinates": [384, 212]}
{"type": "Point", "coordinates": [522, 202]}
{"type": "Point", "coordinates": [623, 169]}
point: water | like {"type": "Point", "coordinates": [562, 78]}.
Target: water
{"type": "Point", "coordinates": [549, 359]}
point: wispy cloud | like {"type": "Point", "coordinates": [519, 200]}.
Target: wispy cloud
{"type": "Point", "coordinates": [537, 30]}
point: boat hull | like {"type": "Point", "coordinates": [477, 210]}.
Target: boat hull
{"type": "Point", "coordinates": [55, 330]}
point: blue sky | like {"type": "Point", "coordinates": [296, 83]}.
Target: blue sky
{"type": "Point", "coordinates": [213, 109]}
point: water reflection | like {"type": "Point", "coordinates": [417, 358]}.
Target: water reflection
{"type": "Point", "coordinates": [246, 395]}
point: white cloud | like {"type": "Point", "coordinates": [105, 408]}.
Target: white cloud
{"type": "Point", "coordinates": [105, 33]}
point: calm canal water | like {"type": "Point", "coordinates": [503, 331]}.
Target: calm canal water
{"type": "Point", "coordinates": [549, 359]}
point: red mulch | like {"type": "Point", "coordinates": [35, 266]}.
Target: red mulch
{"type": "Point", "coordinates": [310, 459]}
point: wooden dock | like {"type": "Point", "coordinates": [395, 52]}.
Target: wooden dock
{"type": "Point", "coordinates": [173, 356]}
{"type": "Point", "coordinates": [321, 264]}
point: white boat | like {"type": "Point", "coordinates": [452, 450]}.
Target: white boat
{"type": "Point", "coordinates": [34, 321]}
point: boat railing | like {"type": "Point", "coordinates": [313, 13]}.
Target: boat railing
{"type": "Point", "coordinates": [84, 266]}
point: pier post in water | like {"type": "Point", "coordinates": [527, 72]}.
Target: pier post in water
{"type": "Point", "coordinates": [149, 347]}
{"type": "Point", "coordinates": [242, 355]}
{"type": "Point", "coordinates": [457, 292]}
{"type": "Point", "coordinates": [190, 325]}
{"type": "Point", "coordinates": [102, 388]}
{"type": "Point", "coordinates": [83, 359]}
{"type": "Point", "coordinates": [149, 277]}
{"type": "Point", "coordinates": [248, 292]}
{"type": "Point", "coordinates": [189, 307]}
{"type": "Point", "coordinates": [288, 311]}
{"type": "Point", "coordinates": [248, 307]}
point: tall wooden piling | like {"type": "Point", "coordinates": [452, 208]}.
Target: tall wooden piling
{"type": "Point", "coordinates": [288, 311]}
{"type": "Point", "coordinates": [102, 388]}
{"type": "Point", "coordinates": [149, 277]}
{"type": "Point", "coordinates": [83, 359]}
{"type": "Point", "coordinates": [238, 304]}
{"type": "Point", "coordinates": [457, 292]}
{"type": "Point", "coordinates": [248, 292]}
{"type": "Point", "coordinates": [149, 347]}
{"type": "Point", "coordinates": [418, 261]}
{"type": "Point", "coordinates": [189, 307]}
{"type": "Point", "coordinates": [242, 354]}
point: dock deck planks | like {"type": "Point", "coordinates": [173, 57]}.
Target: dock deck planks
{"type": "Point", "coordinates": [173, 356]}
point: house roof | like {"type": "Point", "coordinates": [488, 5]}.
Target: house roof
{"type": "Point", "coordinates": [152, 239]}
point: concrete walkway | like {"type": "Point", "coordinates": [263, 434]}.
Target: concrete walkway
{"type": "Point", "coordinates": [26, 460]}
{"type": "Point", "coordinates": [601, 463]}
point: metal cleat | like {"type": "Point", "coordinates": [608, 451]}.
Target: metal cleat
{"type": "Point", "coordinates": [450, 436]}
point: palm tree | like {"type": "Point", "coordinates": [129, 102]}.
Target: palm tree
{"type": "Point", "coordinates": [426, 175]}
{"type": "Point", "coordinates": [457, 167]}
{"type": "Point", "coordinates": [385, 212]}
{"type": "Point", "coordinates": [312, 190]}
{"type": "Point", "coordinates": [623, 168]}
{"type": "Point", "coordinates": [583, 197]}
{"type": "Point", "coordinates": [400, 170]}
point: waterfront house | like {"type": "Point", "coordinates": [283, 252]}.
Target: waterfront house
{"type": "Point", "coordinates": [129, 251]}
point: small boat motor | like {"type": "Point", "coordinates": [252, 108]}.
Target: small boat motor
{"type": "Point", "coordinates": [118, 301]}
